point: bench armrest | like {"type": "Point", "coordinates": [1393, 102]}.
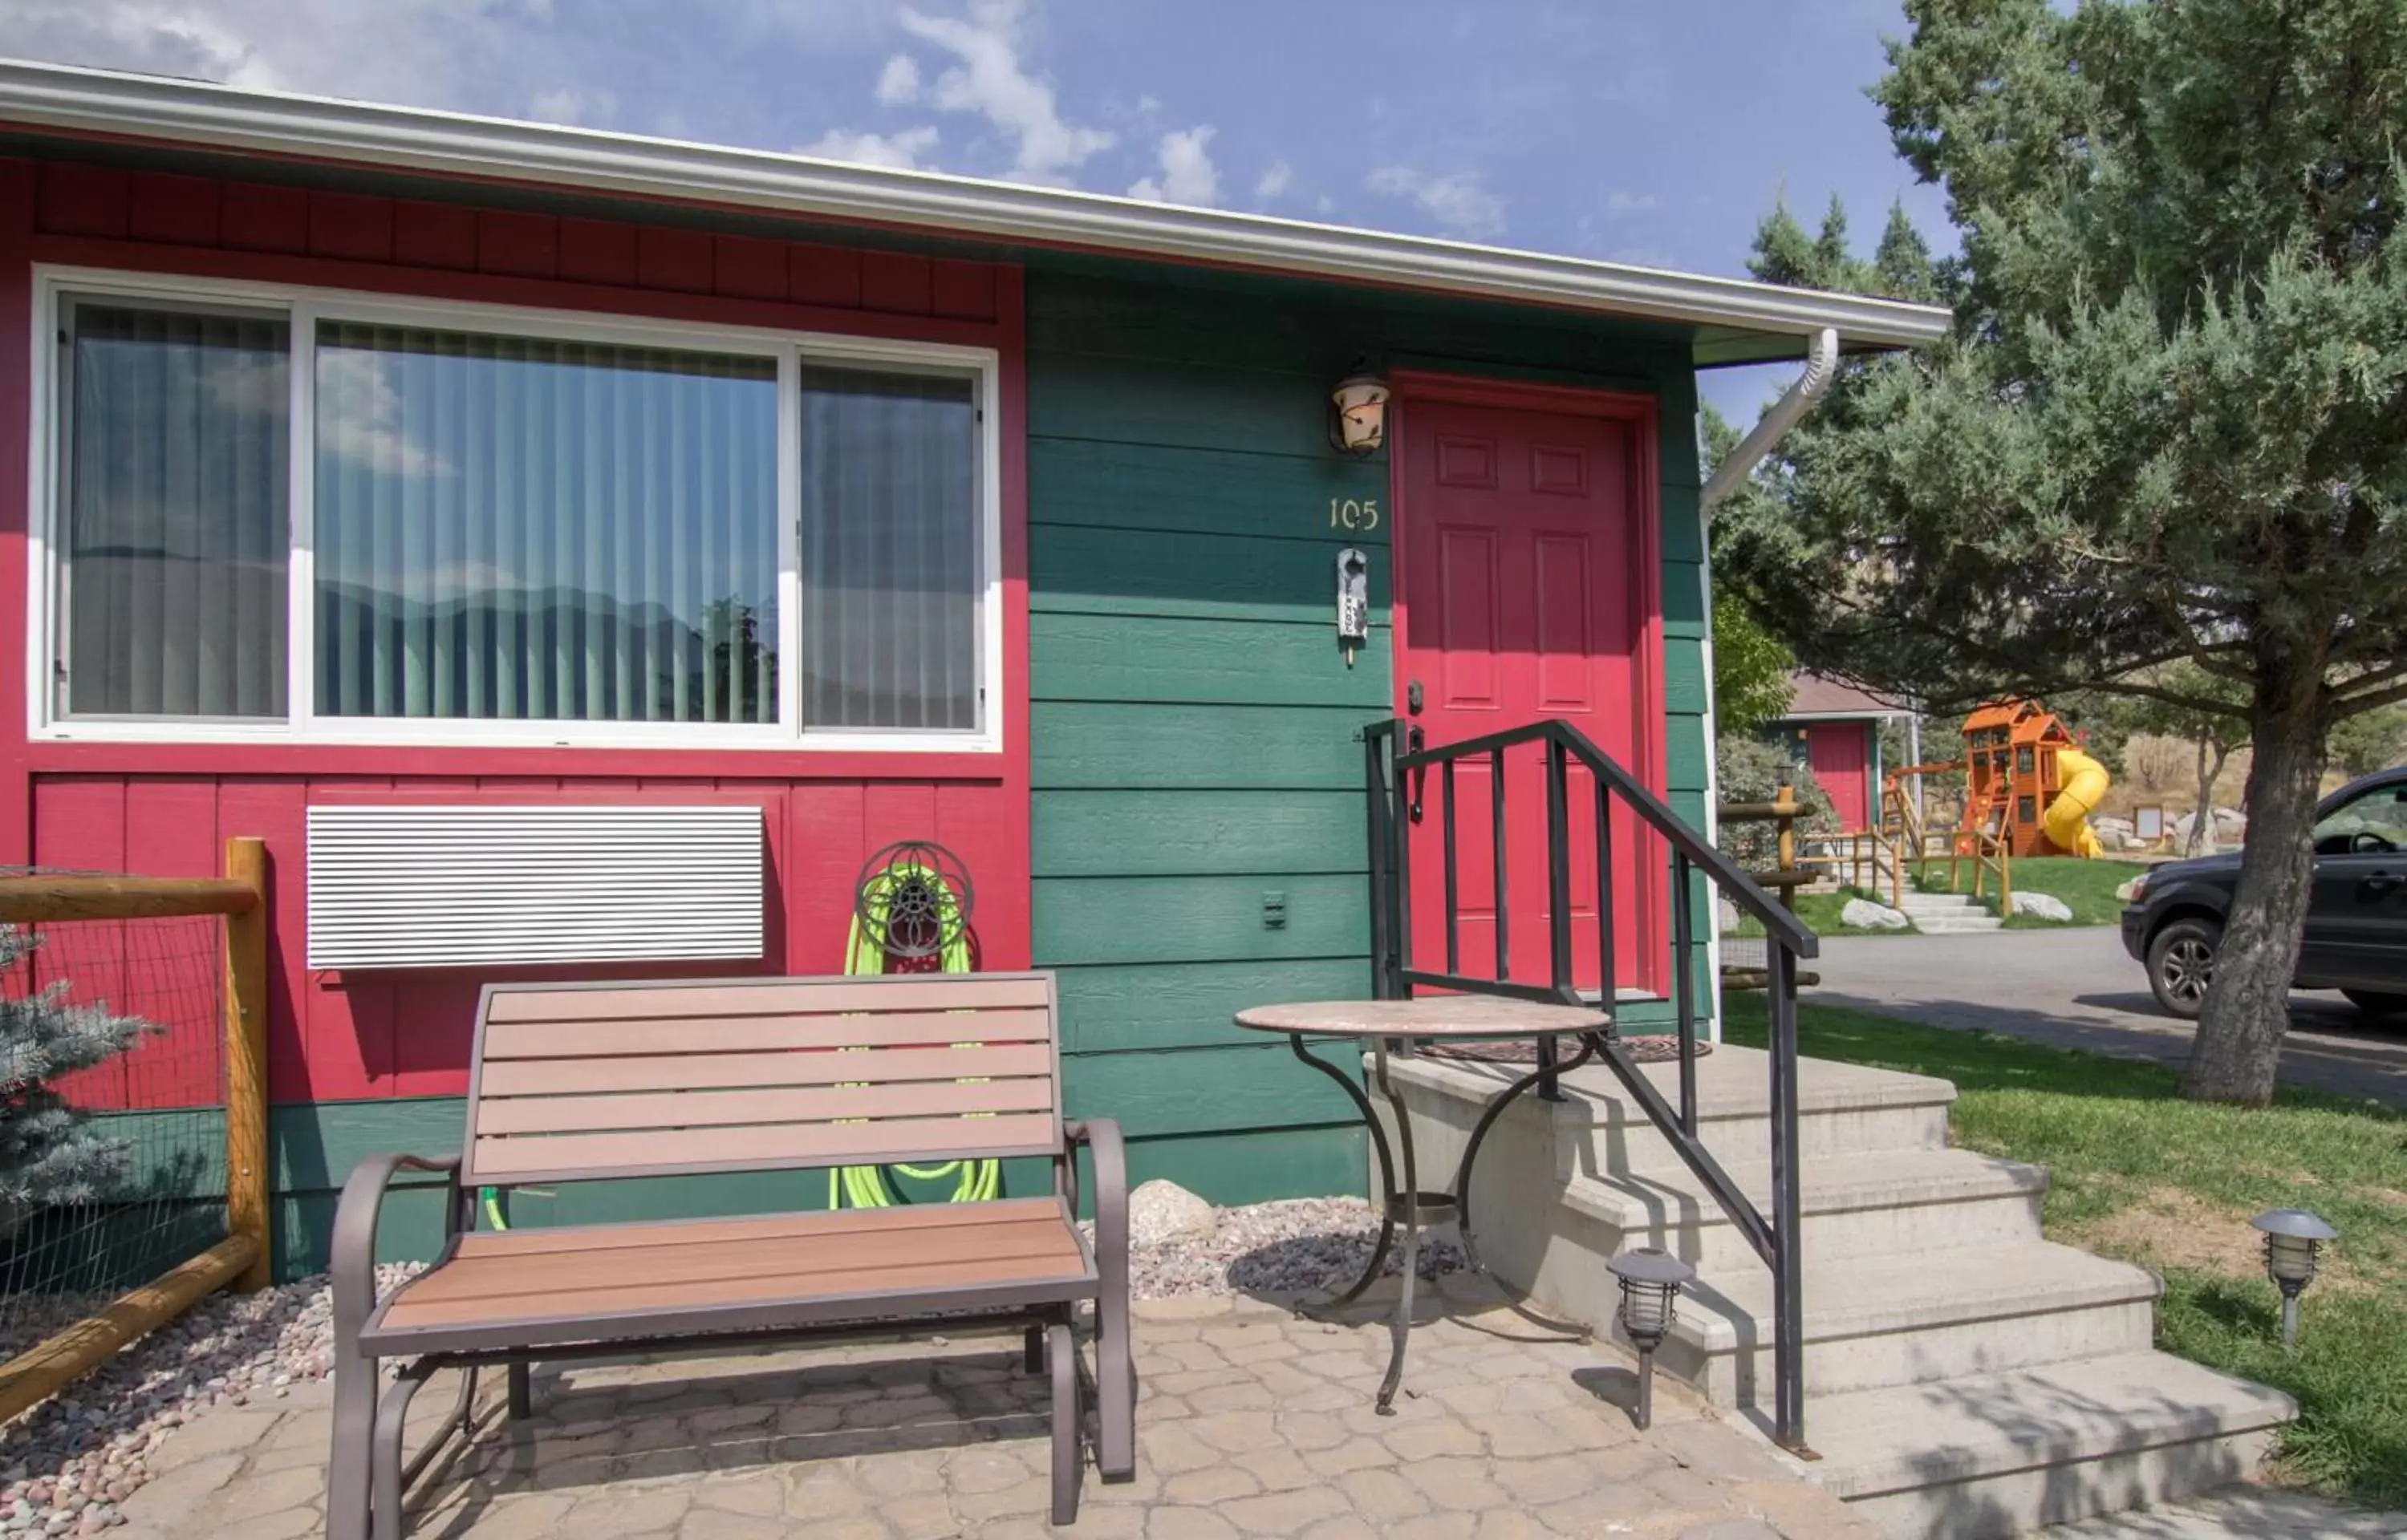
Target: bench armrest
{"type": "Point", "coordinates": [1102, 1137]}
{"type": "Point", "coordinates": [353, 1254]}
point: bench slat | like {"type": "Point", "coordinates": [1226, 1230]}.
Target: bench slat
{"type": "Point", "coordinates": [772, 997]}
{"type": "Point", "coordinates": [678, 1032]}
{"type": "Point", "coordinates": [826, 1227]}
{"type": "Point", "coordinates": [702, 1109]}
{"type": "Point", "coordinates": [571, 1156]}
{"type": "Point", "coordinates": [705, 1293]}
{"type": "Point", "coordinates": [796, 1264]}
{"type": "Point", "coordinates": [725, 1071]}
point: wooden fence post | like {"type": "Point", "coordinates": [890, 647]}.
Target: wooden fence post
{"type": "Point", "coordinates": [245, 1056]}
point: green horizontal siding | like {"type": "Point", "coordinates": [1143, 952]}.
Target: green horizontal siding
{"type": "Point", "coordinates": [1164, 661]}
{"type": "Point", "coordinates": [1195, 732]}
{"type": "Point", "coordinates": [1196, 919]}
{"type": "Point", "coordinates": [1269, 748]}
{"type": "Point", "coordinates": [1201, 576]}
{"type": "Point", "coordinates": [1107, 1007]}
{"type": "Point", "coordinates": [1146, 833]}
{"type": "Point", "coordinates": [1202, 492]}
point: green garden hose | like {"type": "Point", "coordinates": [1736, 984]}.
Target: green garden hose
{"type": "Point", "coordinates": [865, 1186]}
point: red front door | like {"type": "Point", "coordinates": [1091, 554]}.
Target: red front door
{"type": "Point", "coordinates": [1840, 756]}
{"type": "Point", "coordinates": [1523, 594]}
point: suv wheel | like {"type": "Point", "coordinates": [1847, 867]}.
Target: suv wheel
{"type": "Point", "coordinates": [2181, 964]}
{"type": "Point", "coordinates": [2375, 1003]}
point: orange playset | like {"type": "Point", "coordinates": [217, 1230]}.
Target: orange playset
{"type": "Point", "coordinates": [2028, 783]}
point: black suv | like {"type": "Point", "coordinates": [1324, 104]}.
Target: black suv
{"type": "Point", "coordinates": [2356, 938]}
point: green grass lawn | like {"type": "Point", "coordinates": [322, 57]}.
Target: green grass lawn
{"type": "Point", "coordinates": [2170, 1185]}
{"type": "Point", "coordinates": [2087, 887]}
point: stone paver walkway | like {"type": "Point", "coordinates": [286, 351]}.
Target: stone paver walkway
{"type": "Point", "coordinates": [1252, 1422]}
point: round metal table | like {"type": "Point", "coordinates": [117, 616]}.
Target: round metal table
{"type": "Point", "coordinates": [1448, 1018]}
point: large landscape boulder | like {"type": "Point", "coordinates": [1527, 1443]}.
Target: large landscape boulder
{"type": "Point", "coordinates": [2043, 906]}
{"type": "Point", "coordinates": [1863, 914]}
{"type": "Point", "coordinates": [1162, 1212]}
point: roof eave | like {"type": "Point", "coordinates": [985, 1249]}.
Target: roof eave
{"type": "Point", "coordinates": [195, 113]}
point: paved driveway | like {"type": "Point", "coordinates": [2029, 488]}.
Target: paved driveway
{"type": "Point", "coordinates": [2076, 988]}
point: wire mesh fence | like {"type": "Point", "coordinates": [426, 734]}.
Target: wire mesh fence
{"type": "Point", "coordinates": [112, 1110]}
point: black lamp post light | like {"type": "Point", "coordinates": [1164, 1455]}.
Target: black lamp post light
{"type": "Point", "coordinates": [1651, 1281]}
{"type": "Point", "coordinates": [2292, 1237]}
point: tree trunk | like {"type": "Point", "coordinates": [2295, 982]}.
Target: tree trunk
{"type": "Point", "coordinates": [2211, 759]}
{"type": "Point", "coordinates": [2247, 1009]}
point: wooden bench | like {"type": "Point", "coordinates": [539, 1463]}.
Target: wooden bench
{"type": "Point", "coordinates": [584, 1082]}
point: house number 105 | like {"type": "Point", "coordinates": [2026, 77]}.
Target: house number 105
{"type": "Point", "coordinates": [1354, 512]}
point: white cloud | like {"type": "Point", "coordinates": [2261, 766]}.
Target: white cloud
{"type": "Point", "coordinates": [899, 81]}
{"type": "Point", "coordinates": [1459, 202]}
{"type": "Point", "coordinates": [1629, 203]}
{"type": "Point", "coordinates": [1188, 174]}
{"type": "Point", "coordinates": [991, 81]}
{"type": "Point", "coordinates": [1274, 182]}
{"type": "Point", "coordinates": [567, 105]}
{"type": "Point", "coordinates": [903, 151]}
{"type": "Point", "coordinates": [429, 52]}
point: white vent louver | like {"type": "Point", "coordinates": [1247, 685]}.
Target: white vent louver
{"type": "Point", "coordinates": [463, 887]}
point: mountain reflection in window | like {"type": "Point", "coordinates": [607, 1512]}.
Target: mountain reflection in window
{"type": "Point", "coordinates": [520, 528]}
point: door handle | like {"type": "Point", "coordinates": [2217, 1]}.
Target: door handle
{"type": "Point", "coordinates": [1415, 740]}
{"type": "Point", "coordinates": [2375, 884]}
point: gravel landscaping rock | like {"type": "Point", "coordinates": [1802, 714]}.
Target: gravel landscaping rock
{"type": "Point", "coordinates": [1297, 1246]}
{"type": "Point", "coordinates": [66, 1465]}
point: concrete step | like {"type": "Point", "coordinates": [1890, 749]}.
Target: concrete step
{"type": "Point", "coordinates": [1991, 1455]}
{"type": "Point", "coordinates": [1955, 925]}
{"type": "Point", "coordinates": [1887, 1203]}
{"type": "Point", "coordinates": [1843, 1109]}
{"type": "Point", "coordinates": [1873, 1323]}
{"type": "Point", "coordinates": [1915, 903]}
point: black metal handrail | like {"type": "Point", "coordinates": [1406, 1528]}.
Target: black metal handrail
{"type": "Point", "coordinates": [1396, 767]}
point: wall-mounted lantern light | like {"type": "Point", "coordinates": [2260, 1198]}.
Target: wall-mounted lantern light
{"type": "Point", "coordinates": [2292, 1236]}
{"type": "Point", "coordinates": [1358, 413]}
{"type": "Point", "coordinates": [1651, 1281]}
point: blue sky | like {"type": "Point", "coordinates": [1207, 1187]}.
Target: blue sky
{"type": "Point", "coordinates": [1646, 133]}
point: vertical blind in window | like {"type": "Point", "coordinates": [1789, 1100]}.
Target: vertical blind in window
{"type": "Point", "coordinates": [890, 550]}
{"type": "Point", "coordinates": [525, 530]}
{"type": "Point", "coordinates": [174, 470]}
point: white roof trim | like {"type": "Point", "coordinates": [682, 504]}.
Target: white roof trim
{"type": "Point", "coordinates": [203, 114]}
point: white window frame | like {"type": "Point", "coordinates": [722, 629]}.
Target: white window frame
{"type": "Point", "coordinates": [305, 308]}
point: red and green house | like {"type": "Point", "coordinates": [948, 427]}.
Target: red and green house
{"type": "Point", "coordinates": [363, 458]}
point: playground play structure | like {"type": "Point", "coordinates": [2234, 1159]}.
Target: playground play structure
{"type": "Point", "coordinates": [2027, 790]}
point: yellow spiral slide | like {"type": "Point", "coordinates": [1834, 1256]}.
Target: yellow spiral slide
{"type": "Point", "coordinates": [2082, 782]}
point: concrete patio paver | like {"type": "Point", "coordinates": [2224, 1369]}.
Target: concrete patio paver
{"type": "Point", "coordinates": [1253, 1423]}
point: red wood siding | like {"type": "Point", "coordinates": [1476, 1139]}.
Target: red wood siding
{"type": "Point", "coordinates": [74, 202]}
{"type": "Point", "coordinates": [166, 809]}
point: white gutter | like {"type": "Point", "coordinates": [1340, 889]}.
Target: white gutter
{"type": "Point", "coordinates": [190, 114]}
{"type": "Point", "coordinates": [1821, 367]}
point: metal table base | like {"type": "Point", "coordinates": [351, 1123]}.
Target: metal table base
{"type": "Point", "coordinates": [1406, 1206]}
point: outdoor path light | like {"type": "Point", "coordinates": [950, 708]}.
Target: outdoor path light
{"type": "Point", "coordinates": [2292, 1236]}
{"type": "Point", "coordinates": [1651, 1281]}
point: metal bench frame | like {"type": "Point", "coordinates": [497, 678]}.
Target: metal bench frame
{"type": "Point", "coordinates": [369, 1474]}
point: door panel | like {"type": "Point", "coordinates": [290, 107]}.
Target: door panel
{"type": "Point", "coordinates": [1522, 596]}
{"type": "Point", "coordinates": [2356, 919]}
{"type": "Point", "coordinates": [1839, 755]}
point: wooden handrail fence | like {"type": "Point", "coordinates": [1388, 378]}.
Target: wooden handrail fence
{"type": "Point", "coordinates": [1784, 879]}
{"type": "Point", "coordinates": [243, 1257]}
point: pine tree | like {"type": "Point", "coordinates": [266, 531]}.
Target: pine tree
{"type": "Point", "coordinates": [2171, 425]}
{"type": "Point", "coordinates": [48, 1155]}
